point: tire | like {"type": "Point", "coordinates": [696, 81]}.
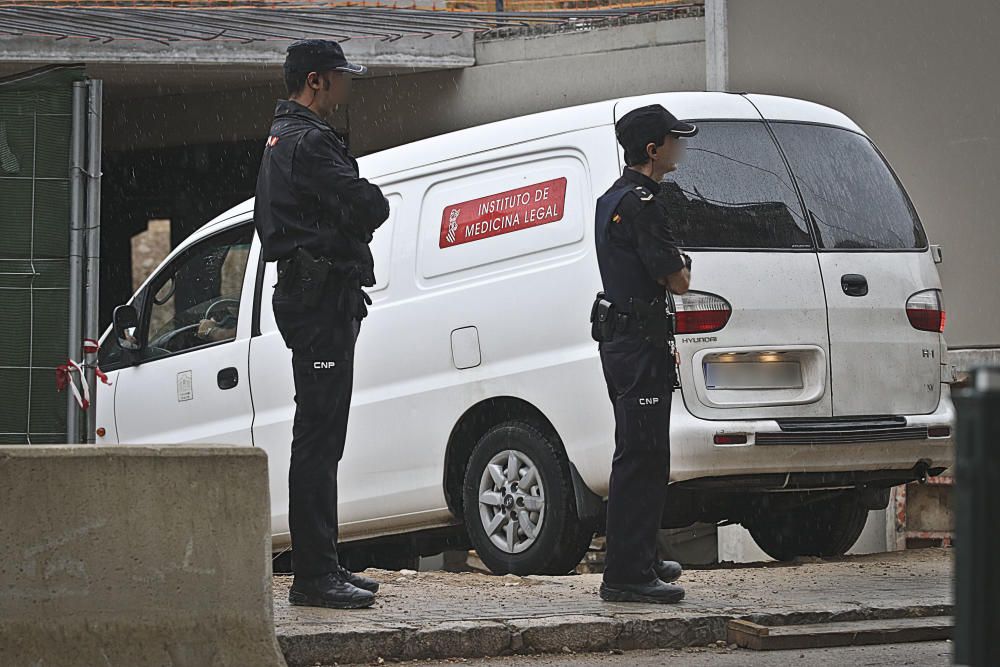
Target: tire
{"type": "Point", "coordinates": [559, 539]}
{"type": "Point", "coordinates": [827, 528]}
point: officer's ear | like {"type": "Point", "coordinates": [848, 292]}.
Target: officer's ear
{"type": "Point", "coordinates": [313, 80]}
{"type": "Point", "coordinates": [651, 150]}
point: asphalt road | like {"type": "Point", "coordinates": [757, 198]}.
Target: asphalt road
{"type": "Point", "coordinates": [922, 654]}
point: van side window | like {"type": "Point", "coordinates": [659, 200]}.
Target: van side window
{"type": "Point", "coordinates": [852, 196]}
{"type": "Point", "coordinates": [733, 191]}
{"type": "Point", "coordinates": [195, 301]}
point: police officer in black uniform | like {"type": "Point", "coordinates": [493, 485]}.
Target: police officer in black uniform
{"type": "Point", "coordinates": [315, 216]}
{"type": "Point", "coordinates": [639, 262]}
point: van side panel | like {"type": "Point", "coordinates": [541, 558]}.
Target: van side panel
{"type": "Point", "coordinates": [525, 288]}
{"type": "Point", "coordinates": [495, 219]}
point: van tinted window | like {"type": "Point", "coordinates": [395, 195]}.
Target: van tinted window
{"type": "Point", "coordinates": [733, 191]}
{"type": "Point", "coordinates": [852, 196]}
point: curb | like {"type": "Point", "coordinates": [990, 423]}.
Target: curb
{"type": "Point", "coordinates": [553, 634]}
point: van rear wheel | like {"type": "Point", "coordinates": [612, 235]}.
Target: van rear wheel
{"type": "Point", "coordinates": [827, 528]}
{"type": "Point", "coordinates": [520, 509]}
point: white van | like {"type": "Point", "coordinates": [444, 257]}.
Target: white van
{"type": "Point", "coordinates": [811, 350]}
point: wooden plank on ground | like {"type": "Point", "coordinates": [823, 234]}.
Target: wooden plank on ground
{"type": "Point", "coordinates": [844, 633]}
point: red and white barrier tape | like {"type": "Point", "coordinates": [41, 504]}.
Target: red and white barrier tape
{"type": "Point", "coordinates": [64, 375]}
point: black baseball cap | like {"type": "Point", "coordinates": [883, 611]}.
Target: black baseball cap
{"type": "Point", "coordinates": [319, 55]}
{"type": "Point", "coordinates": [645, 125]}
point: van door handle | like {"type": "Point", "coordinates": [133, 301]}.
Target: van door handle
{"type": "Point", "coordinates": [228, 378]}
{"type": "Point", "coordinates": [854, 284]}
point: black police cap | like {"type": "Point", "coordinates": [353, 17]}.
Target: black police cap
{"type": "Point", "coordinates": [645, 125]}
{"type": "Point", "coordinates": [319, 55]}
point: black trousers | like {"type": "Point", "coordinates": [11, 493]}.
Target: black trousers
{"type": "Point", "coordinates": [640, 379]}
{"type": "Point", "coordinates": [322, 343]}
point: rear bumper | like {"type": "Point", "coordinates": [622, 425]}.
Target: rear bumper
{"type": "Point", "coordinates": [878, 455]}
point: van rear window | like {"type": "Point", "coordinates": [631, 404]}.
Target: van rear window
{"type": "Point", "coordinates": [732, 190]}
{"type": "Point", "coordinates": [851, 194]}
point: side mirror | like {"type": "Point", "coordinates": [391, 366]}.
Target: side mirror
{"type": "Point", "coordinates": [125, 321]}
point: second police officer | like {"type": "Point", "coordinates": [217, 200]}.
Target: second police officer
{"type": "Point", "coordinates": [639, 261]}
{"type": "Point", "coordinates": [315, 216]}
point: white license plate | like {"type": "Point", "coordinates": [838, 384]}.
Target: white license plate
{"type": "Point", "coordinates": [753, 375]}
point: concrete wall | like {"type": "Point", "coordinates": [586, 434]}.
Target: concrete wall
{"type": "Point", "coordinates": [512, 77]}
{"type": "Point", "coordinates": [524, 75]}
{"type": "Point", "coordinates": [920, 77]}
{"type": "Point", "coordinates": [126, 556]}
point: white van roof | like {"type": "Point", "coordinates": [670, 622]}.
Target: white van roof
{"type": "Point", "coordinates": [685, 105]}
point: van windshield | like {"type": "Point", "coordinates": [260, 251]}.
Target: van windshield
{"type": "Point", "coordinates": [852, 197]}
{"type": "Point", "coordinates": [732, 190]}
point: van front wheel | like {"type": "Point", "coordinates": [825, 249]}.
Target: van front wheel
{"type": "Point", "coordinates": [520, 510]}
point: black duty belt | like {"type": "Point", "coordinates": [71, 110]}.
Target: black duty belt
{"type": "Point", "coordinates": [314, 279]}
{"type": "Point", "coordinates": [650, 319]}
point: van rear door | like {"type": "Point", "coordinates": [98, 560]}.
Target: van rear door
{"type": "Point", "coordinates": [879, 278]}
{"type": "Point", "coordinates": [735, 211]}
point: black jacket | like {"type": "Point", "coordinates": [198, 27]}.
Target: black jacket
{"type": "Point", "coordinates": [635, 246]}
{"type": "Point", "coordinates": [309, 195]}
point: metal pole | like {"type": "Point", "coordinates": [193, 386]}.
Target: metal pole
{"type": "Point", "coordinates": [93, 218]}
{"type": "Point", "coordinates": [977, 506]}
{"type": "Point", "coordinates": [76, 242]}
{"type": "Point", "coordinates": [716, 45]}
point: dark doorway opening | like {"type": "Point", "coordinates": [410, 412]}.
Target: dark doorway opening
{"type": "Point", "coordinates": [187, 185]}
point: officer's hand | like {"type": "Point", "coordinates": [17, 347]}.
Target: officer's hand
{"type": "Point", "coordinates": [678, 282]}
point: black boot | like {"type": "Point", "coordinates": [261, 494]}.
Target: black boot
{"type": "Point", "coordinates": [329, 590]}
{"type": "Point", "coordinates": [655, 591]}
{"type": "Point", "coordinates": [361, 581]}
{"type": "Point", "coordinates": [667, 570]}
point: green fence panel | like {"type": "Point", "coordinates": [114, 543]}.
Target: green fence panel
{"type": "Point", "coordinates": [35, 126]}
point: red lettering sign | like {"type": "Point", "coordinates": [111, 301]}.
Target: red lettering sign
{"type": "Point", "coordinates": [502, 213]}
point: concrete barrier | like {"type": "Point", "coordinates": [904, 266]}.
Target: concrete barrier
{"type": "Point", "coordinates": [129, 556]}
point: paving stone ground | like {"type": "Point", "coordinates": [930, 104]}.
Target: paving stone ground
{"type": "Point", "coordinates": [440, 615]}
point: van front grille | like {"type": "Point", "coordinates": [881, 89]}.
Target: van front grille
{"type": "Point", "coordinates": [838, 437]}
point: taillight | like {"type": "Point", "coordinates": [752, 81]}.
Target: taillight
{"type": "Point", "coordinates": [925, 310]}
{"type": "Point", "coordinates": [699, 312]}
